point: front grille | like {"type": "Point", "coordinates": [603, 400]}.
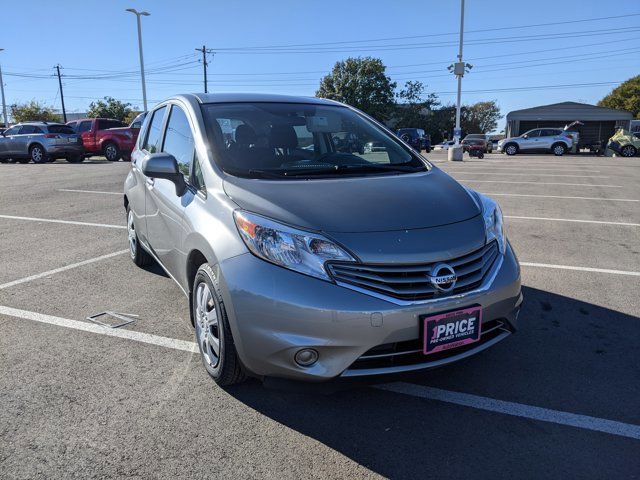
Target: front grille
{"type": "Point", "coordinates": [409, 353]}
{"type": "Point", "coordinates": [411, 282]}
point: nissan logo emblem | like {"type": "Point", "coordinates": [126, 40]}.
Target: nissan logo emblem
{"type": "Point", "coordinates": [443, 277]}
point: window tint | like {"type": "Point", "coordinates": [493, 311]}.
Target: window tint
{"type": "Point", "coordinates": [13, 130]}
{"type": "Point", "coordinates": [84, 126]}
{"type": "Point", "coordinates": [61, 129]}
{"type": "Point", "coordinates": [30, 129]}
{"type": "Point", "coordinates": [178, 140]}
{"type": "Point", "coordinates": [106, 124]}
{"type": "Point", "coordinates": [154, 134]}
{"type": "Point", "coordinates": [533, 133]}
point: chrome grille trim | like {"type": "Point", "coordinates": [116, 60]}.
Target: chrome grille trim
{"type": "Point", "coordinates": [397, 284]}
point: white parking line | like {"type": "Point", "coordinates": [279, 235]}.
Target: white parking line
{"type": "Point", "coordinates": [61, 269]}
{"type": "Point", "coordinates": [464, 399]}
{"type": "Point", "coordinates": [68, 222]}
{"type": "Point", "coordinates": [598, 222]}
{"type": "Point", "coordinates": [88, 191]}
{"type": "Point", "coordinates": [541, 183]}
{"type": "Point", "coordinates": [93, 328]}
{"type": "Point", "coordinates": [562, 196]}
{"type": "Point", "coordinates": [580, 269]}
{"type": "Point", "coordinates": [527, 174]}
{"type": "Point", "coordinates": [516, 409]}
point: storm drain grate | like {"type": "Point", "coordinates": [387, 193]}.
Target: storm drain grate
{"type": "Point", "coordinates": [117, 319]}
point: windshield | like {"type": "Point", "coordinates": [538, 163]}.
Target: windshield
{"type": "Point", "coordinates": [282, 140]}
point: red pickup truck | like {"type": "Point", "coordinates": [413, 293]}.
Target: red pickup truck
{"type": "Point", "coordinates": [107, 137]}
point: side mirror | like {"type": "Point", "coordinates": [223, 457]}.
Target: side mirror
{"type": "Point", "coordinates": [525, 136]}
{"type": "Point", "coordinates": [137, 125]}
{"type": "Point", "coordinates": [164, 165]}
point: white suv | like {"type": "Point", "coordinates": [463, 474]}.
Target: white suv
{"type": "Point", "coordinates": [553, 140]}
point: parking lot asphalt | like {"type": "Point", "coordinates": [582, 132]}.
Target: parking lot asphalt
{"type": "Point", "coordinates": [560, 399]}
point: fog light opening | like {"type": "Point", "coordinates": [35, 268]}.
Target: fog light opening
{"type": "Point", "coordinates": [306, 357]}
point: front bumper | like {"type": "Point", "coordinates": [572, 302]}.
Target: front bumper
{"type": "Point", "coordinates": [273, 312]}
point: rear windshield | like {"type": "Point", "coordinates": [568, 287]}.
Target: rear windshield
{"type": "Point", "coordinates": [475, 136]}
{"type": "Point", "coordinates": [106, 124]}
{"type": "Point", "coordinates": [284, 140]}
{"type": "Point", "coordinates": [60, 129]}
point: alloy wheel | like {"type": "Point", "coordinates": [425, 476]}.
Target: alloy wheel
{"type": "Point", "coordinates": [208, 331]}
{"type": "Point", "coordinates": [511, 150]}
{"type": "Point", "coordinates": [110, 152]}
{"type": "Point", "coordinates": [628, 151]}
{"type": "Point", "coordinates": [36, 154]}
{"type": "Point", "coordinates": [558, 150]}
{"type": "Point", "coordinates": [131, 231]}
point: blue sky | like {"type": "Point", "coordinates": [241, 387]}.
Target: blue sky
{"type": "Point", "coordinates": [96, 42]}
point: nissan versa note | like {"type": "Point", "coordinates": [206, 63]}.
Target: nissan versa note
{"type": "Point", "coordinates": [312, 259]}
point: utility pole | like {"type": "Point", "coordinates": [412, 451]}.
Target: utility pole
{"type": "Point", "coordinates": [64, 112]}
{"type": "Point", "coordinates": [4, 103]}
{"type": "Point", "coordinates": [144, 85]}
{"type": "Point", "coordinates": [458, 69]}
{"type": "Point", "coordinates": [204, 51]}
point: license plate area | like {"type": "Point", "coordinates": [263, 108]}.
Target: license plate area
{"type": "Point", "coordinates": [451, 330]}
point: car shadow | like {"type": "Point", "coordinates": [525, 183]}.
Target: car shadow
{"type": "Point", "coordinates": [568, 355]}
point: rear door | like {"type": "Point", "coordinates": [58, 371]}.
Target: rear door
{"type": "Point", "coordinates": [164, 209]}
{"type": "Point", "coordinates": [547, 137]}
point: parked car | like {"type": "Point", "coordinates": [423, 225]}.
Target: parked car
{"type": "Point", "coordinates": [40, 142]}
{"type": "Point", "coordinates": [416, 138]}
{"type": "Point", "coordinates": [552, 140]}
{"type": "Point", "coordinates": [107, 137]}
{"type": "Point", "coordinates": [372, 147]}
{"type": "Point", "coordinates": [321, 267]}
{"type": "Point", "coordinates": [480, 140]}
{"type": "Point", "coordinates": [625, 143]}
{"type": "Point", "coordinates": [445, 145]}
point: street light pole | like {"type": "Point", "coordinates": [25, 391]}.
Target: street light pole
{"type": "Point", "coordinates": [144, 86]}
{"type": "Point", "coordinates": [458, 69]}
{"type": "Point", "coordinates": [4, 103]}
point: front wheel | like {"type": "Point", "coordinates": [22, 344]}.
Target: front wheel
{"type": "Point", "coordinates": [511, 149]}
{"type": "Point", "coordinates": [558, 149]}
{"type": "Point", "coordinates": [213, 335]}
{"type": "Point", "coordinates": [628, 151]}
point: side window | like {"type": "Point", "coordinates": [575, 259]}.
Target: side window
{"type": "Point", "coordinates": [106, 124]}
{"type": "Point", "coordinates": [84, 126]}
{"type": "Point", "coordinates": [533, 133]}
{"type": "Point", "coordinates": [73, 125]}
{"type": "Point", "coordinates": [178, 140]}
{"type": "Point", "coordinates": [27, 130]}
{"type": "Point", "coordinates": [13, 130]}
{"type": "Point", "coordinates": [198, 178]}
{"type": "Point", "coordinates": [154, 132]}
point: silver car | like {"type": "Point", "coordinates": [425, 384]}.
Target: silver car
{"type": "Point", "coordinates": [553, 140]}
{"type": "Point", "coordinates": [313, 263]}
{"type": "Point", "coordinates": [41, 142]}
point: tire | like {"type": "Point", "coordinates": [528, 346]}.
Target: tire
{"type": "Point", "coordinates": [406, 138]}
{"type": "Point", "coordinates": [558, 149]}
{"type": "Point", "coordinates": [511, 149]}
{"type": "Point", "coordinates": [111, 152]}
{"type": "Point", "coordinates": [38, 154]}
{"type": "Point", "coordinates": [137, 253]}
{"type": "Point", "coordinates": [75, 158]}
{"type": "Point", "coordinates": [22, 160]}
{"type": "Point", "coordinates": [628, 151]}
{"type": "Point", "coordinates": [213, 335]}
{"type": "Point", "coordinates": [4, 160]}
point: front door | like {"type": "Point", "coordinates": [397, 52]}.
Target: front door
{"type": "Point", "coordinates": [531, 142]}
{"type": "Point", "coordinates": [8, 142]}
{"type": "Point", "coordinates": [164, 208]}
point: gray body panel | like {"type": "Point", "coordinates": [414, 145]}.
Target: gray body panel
{"type": "Point", "coordinates": [272, 311]}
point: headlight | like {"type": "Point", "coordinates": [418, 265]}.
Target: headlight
{"type": "Point", "coordinates": [304, 252]}
{"type": "Point", "coordinates": [493, 222]}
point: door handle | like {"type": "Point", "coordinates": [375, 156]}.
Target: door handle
{"type": "Point", "coordinates": [150, 181]}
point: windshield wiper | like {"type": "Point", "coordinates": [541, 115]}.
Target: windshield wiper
{"type": "Point", "coordinates": [333, 169]}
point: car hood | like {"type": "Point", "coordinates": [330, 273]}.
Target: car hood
{"type": "Point", "coordinates": [357, 204]}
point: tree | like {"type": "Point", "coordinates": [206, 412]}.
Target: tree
{"type": "Point", "coordinates": [361, 83]}
{"type": "Point", "coordinates": [131, 116]}
{"type": "Point", "coordinates": [33, 111]}
{"type": "Point", "coordinates": [413, 110]}
{"type": "Point", "coordinates": [109, 107]}
{"type": "Point", "coordinates": [625, 96]}
{"type": "Point", "coordinates": [481, 117]}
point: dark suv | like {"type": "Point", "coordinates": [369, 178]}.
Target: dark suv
{"type": "Point", "coordinates": [416, 138]}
